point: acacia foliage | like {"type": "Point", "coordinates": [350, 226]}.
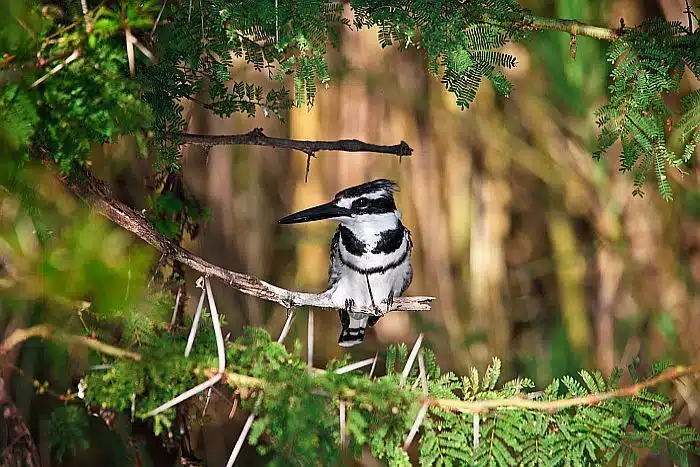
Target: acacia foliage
{"type": "Point", "coordinates": [299, 412]}
{"type": "Point", "coordinates": [66, 87]}
{"type": "Point", "coordinates": [93, 100]}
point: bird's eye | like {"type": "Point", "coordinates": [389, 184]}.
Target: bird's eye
{"type": "Point", "coordinates": [361, 203]}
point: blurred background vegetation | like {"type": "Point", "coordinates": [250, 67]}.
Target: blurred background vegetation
{"type": "Point", "coordinates": [537, 253]}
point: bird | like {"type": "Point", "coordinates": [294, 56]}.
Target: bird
{"type": "Point", "coordinates": [370, 253]}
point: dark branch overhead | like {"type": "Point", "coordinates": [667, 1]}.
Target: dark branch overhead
{"type": "Point", "coordinates": [256, 137]}
{"type": "Point", "coordinates": [97, 194]}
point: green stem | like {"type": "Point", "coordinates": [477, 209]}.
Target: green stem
{"type": "Point", "coordinates": [573, 27]}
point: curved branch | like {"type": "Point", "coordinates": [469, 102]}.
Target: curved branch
{"type": "Point", "coordinates": [573, 27]}
{"type": "Point", "coordinates": [256, 137]}
{"type": "Point", "coordinates": [97, 194]}
{"type": "Point", "coordinates": [669, 374]}
{"type": "Point", "coordinates": [45, 332]}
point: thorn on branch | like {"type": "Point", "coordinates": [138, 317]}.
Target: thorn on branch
{"type": "Point", "coordinates": [572, 47]}
{"type": "Point", "coordinates": [256, 133]}
{"type": "Point", "coordinates": [621, 30]}
{"type": "Point", "coordinates": [309, 155]}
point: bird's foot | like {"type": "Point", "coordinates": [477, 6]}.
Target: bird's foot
{"type": "Point", "coordinates": [349, 304]}
{"type": "Point", "coordinates": [389, 302]}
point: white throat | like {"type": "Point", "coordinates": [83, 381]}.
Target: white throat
{"type": "Point", "coordinates": [367, 227]}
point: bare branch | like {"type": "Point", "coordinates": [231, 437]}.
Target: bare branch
{"type": "Point", "coordinates": [45, 332]}
{"type": "Point", "coordinates": [256, 137]}
{"type": "Point", "coordinates": [97, 194]}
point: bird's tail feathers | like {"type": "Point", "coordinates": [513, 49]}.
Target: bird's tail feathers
{"type": "Point", "coordinates": [353, 330]}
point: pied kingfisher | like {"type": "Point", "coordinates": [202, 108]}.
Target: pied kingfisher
{"type": "Point", "coordinates": [370, 260]}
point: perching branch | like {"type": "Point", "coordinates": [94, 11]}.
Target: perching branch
{"type": "Point", "coordinates": [573, 27]}
{"type": "Point", "coordinates": [256, 137]}
{"type": "Point", "coordinates": [98, 195]}
{"type": "Point", "coordinates": [45, 332]}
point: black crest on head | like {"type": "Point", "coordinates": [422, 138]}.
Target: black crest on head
{"type": "Point", "coordinates": [382, 184]}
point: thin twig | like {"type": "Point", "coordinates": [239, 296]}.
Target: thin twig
{"type": "Point", "coordinates": [195, 323]}
{"type": "Point", "coordinates": [206, 402]}
{"type": "Point", "coordinates": [475, 430]}
{"type": "Point", "coordinates": [86, 15]}
{"type": "Point", "coordinates": [291, 313]}
{"type": "Point", "coordinates": [256, 137]}
{"type": "Point", "coordinates": [411, 359]}
{"type": "Point", "coordinates": [217, 327]}
{"type": "Point", "coordinates": [160, 13]}
{"type": "Point", "coordinates": [186, 395]}
{"type": "Point", "coordinates": [416, 425]}
{"type": "Point", "coordinates": [130, 52]}
{"type": "Point", "coordinates": [423, 375]}
{"type": "Point", "coordinates": [98, 195]}
{"type": "Point", "coordinates": [310, 341]}
{"type": "Point", "coordinates": [342, 423]}
{"type": "Point", "coordinates": [177, 305]}
{"type": "Point", "coordinates": [47, 332]}
{"type": "Point", "coordinates": [374, 365]}
{"type": "Point", "coordinates": [355, 366]}
{"type": "Point", "coordinates": [244, 433]}
{"type": "Point", "coordinates": [71, 58]}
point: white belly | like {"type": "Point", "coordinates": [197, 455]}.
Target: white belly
{"type": "Point", "coordinates": [353, 285]}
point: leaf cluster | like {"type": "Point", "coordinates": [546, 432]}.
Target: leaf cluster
{"type": "Point", "coordinates": [298, 413]}
{"type": "Point", "coordinates": [460, 39]}
{"type": "Point", "coordinates": [57, 105]}
{"type": "Point", "coordinates": [649, 62]}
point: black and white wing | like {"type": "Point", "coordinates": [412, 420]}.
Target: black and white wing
{"type": "Point", "coordinates": [334, 265]}
{"type": "Point", "coordinates": [409, 271]}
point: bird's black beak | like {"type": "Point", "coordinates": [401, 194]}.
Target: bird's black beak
{"type": "Point", "coordinates": [317, 213]}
